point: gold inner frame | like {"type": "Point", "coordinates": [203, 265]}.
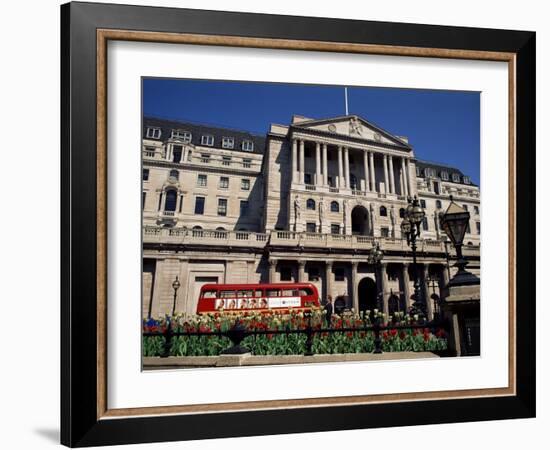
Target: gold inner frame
{"type": "Point", "coordinates": [104, 35]}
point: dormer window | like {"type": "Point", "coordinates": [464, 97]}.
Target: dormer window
{"type": "Point", "coordinates": [153, 133]}
{"type": "Point", "coordinates": [445, 176]}
{"type": "Point", "coordinates": [466, 180]}
{"type": "Point", "coordinates": [456, 177]}
{"type": "Point", "coordinates": [228, 142]}
{"type": "Point", "coordinates": [182, 135]}
{"type": "Point", "coordinates": [207, 139]}
{"type": "Point", "coordinates": [248, 146]}
{"type": "Point", "coordinates": [429, 172]}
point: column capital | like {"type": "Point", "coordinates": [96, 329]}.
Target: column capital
{"type": "Point", "coordinates": [301, 262]}
{"type": "Point", "coordinates": [273, 262]}
{"type": "Point", "coordinates": [354, 264]}
{"type": "Point", "coordinates": [328, 263]}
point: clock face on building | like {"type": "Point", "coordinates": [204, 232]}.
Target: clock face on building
{"type": "Point", "coordinates": [332, 128]}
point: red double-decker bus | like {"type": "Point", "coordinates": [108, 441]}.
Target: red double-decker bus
{"type": "Point", "coordinates": [280, 297]}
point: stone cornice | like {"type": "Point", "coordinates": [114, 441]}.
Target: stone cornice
{"type": "Point", "coordinates": [201, 168]}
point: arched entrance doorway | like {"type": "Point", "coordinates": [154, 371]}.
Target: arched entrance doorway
{"type": "Point", "coordinates": [360, 221]}
{"type": "Point", "coordinates": [367, 294]}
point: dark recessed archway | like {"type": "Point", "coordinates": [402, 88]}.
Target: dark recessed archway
{"type": "Point", "coordinates": [367, 294]}
{"type": "Point", "coordinates": [360, 221]}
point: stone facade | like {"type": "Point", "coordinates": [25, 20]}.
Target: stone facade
{"type": "Point", "coordinates": [306, 203]}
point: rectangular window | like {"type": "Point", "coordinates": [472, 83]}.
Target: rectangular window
{"type": "Point", "coordinates": [153, 133]}
{"type": "Point", "coordinates": [307, 178]}
{"type": "Point", "coordinates": [207, 139]}
{"type": "Point", "coordinates": [143, 195]}
{"type": "Point", "coordinates": [201, 180]}
{"type": "Point", "coordinates": [228, 142]}
{"type": "Point", "coordinates": [150, 152]}
{"type": "Point", "coordinates": [468, 230]}
{"type": "Point", "coordinates": [226, 160]}
{"type": "Point", "coordinates": [339, 274]}
{"type": "Point", "coordinates": [248, 146]}
{"type": "Point", "coordinates": [425, 224]}
{"type": "Point", "coordinates": [476, 209]}
{"type": "Point", "coordinates": [145, 176]}
{"type": "Point", "coordinates": [466, 180]}
{"type": "Point", "coordinates": [205, 158]}
{"type": "Point", "coordinates": [456, 177]}
{"type": "Point", "coordinates": [224, 182]}
{"type": "Point", "coordinates": [465, 207]}
{"type": "Point", "coordinates": [244, 208]}
{"type": "Point", "coordinates": [245, 184]}
{"type": "Point", "coordinates": [222, 207]}
{"type": "Point", "coordinates": [247, 163]}
{"type": "Point", "coordinates": [384, 232]}
{"type": "Point", "coordinates": [286, 274]}
{"type": "Point", "coordinates": [189, 156]}
{"type": "Point", "coordinates": [444, 176]}
{"type": "Point", "coordinates": [181, 203]}
{"type": "Point", "coordinates": [199, 205]}
{"type": "Point", "coordinates": [478, 227]}
{"type": "Point", "coordinates": [423, 203]}
{"type": "Point", "coordinates": [335, 228]}
{"type": "Point", "coordinates": [313, 274]}
{"type": "Point", "coordinates": [311, 227]}
{"type": "Point", "coordinates": [177, 150]}
{"type": "Point", "coordinates": [185, 136]}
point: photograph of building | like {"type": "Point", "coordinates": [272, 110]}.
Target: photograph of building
{"type": "Point", "coordinates": [307, 201]}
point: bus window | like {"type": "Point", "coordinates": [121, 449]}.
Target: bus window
{"type": "Point", "coordinates": [227, 294]}
{"type": "Point", "coordinates": [305, 291]}
{"type": "Point", "coordinates": [273, 293]}
{"type": "Point", "coordinates": [258, 293]}
{"type": "Point", "coordinates": [209, 294]}
{"type": "Point", "coordinates": [247, 293]}
{"type": "Point", "coordinates": [290, 293]}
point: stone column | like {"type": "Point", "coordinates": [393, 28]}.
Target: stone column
{"type": "Point", "coordinates": [301, 271]}
{"type": "Point", "coordinates": [392, 180]}
{"type": "Point", "coordinates": [302, 162]}
{"type": "Point", "coordinates": [406, 285]}
{"type": "Point", "coordinates": [366, 169]}
{"type": "Point", "coordinates": [354, 286]}
{"type": "Point", "coordinates": [408, 178]}
{"type": "Point", "coordinates": [426, 292]}
{"type": "Point", "coordinates": [386, 184]}
{"type": "Point", "coordinates": [169, 152]}
{"type": "Point", "coordinates": [184, 154]}
{"type": "Point", "coordinates": [346, 166]}
{"type": "Point", "coordinates": [372, 176]}
{"type": "Point", "coordinates": [318, 180]}
{"type": "Point", "coordinates": [340, 169]}
{"type": "Point", "coordinates": [404, 190]}
{"type": "Point", "coordinates": [384, 288]}
{"type": "Point", "coordinates": [272, 270]}
{"type": "Point", "coordinates": [294, 161]}
{"type": "Point", "coordinates": [445, 276]}
{"type": "Point", "coordinates": [325, 165]}
{"type": "Point", "coordinates": [328, 279]}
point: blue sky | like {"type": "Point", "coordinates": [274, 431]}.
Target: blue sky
{"type": "Point", "coordinates": [442, 126]}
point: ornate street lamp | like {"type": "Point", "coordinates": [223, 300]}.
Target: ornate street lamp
{"type": "Point", "coordinates": [374, 257]}
{"type": "Point", "coordinates": [410, 227]}
{"type": "Point", "coordinates": [455, 223]}
{"type": "Point", "coordinates": [175, 285]}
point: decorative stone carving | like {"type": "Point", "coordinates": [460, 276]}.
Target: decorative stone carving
{"type": "Point", "coordinates": [355, 127]}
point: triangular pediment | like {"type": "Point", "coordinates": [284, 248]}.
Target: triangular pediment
{"type": "Point", "coordinates": [354, 127]}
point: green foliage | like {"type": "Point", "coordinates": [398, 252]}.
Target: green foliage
{"type": "Point", "coordinates": [393, 340]}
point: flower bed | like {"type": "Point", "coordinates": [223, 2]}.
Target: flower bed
{"type": "Point", "coordinates": [324, 342]}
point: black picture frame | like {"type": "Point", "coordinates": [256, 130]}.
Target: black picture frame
{"type": "Point", "coordinates": [80, 425]}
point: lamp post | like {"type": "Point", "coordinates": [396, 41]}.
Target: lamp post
{"type": "Point", "coordinates": [410, 227]}
{"type": "Point", "coordinates": [375, 257]}
{"type": "Point", "coordinates": [175, 285]}
{"type": "Point", "coordinates": [455, 223]}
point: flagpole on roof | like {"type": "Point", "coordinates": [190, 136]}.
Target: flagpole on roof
{"type": "Point", "coordinates": [346, 98]}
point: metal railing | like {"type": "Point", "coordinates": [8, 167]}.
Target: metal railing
{"type": "Point", "coordinates": [238, 332]}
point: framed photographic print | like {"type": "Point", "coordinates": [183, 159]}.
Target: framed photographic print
{"type": "Point", "coordinates": [287, 224]}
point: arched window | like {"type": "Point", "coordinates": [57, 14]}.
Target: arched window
{"type": "Point", "coordinates": [402, 213]}
{"type": "Point", "coordinates": [334, 207]}
{"type": "Point", "coordinates": [171, 200]}
{"type": "Point", "coordinates": [174, 174]}
{"type": "Point", "coordinates": [383, 211]}
{"type": "Point", "coordinates": [310, 204]}
{"type": "Point", "coordinates": [438, 204]}
{"type": "Point", "coordinates": [353, 181]}
{"type": "Point", "coordinates": [197, 227]}
{"type": "Point", "coordinates": [220, 229]}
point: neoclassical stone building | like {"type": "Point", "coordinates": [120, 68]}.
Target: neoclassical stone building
{"type": "Point", "coordinates": [306, 202]}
